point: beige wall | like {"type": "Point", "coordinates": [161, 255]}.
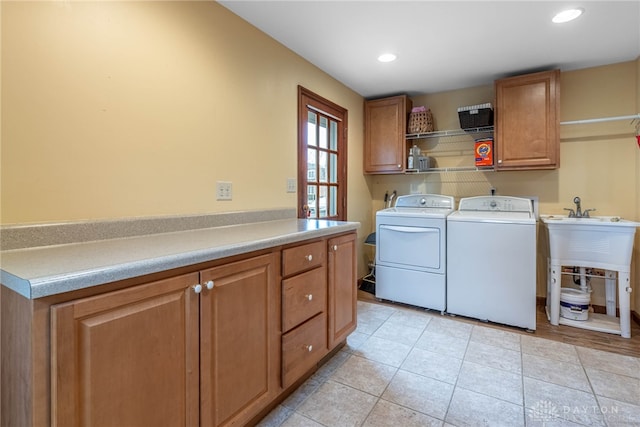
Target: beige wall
{"type": "Point", "coordinates": [125, 109]}
{"type": "Point", "coordinates": [599, 162]}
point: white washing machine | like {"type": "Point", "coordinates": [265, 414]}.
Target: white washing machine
{"type": "Point", "coordinates": [411, 251]}
{"type": "Point", "coordinates": [491, 260]}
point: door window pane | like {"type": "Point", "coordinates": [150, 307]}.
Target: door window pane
{"type": "Point", "coordinates": [333, 201]}
{"type": "Point", "coordinates": [312, 155]}
{"type": "Point", "coordinates": [312, 201]}
{"type": "Point", "coordinates": [312, 119]}
{"type": "Point", "coordinates": [333, 136]}
{"type": "Point", "coordinates": [323, 166]}
{"type": "Point", "coordinates": [323, 134]}
{"type": "Point", "coordinates": [322, 202]}
{"type": "Point", "coordinates": [333, 168]}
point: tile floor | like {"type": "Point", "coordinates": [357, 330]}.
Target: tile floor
{"type": "Point", "coordinates": [403, 367]}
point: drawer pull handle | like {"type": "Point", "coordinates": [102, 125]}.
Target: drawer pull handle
{"type": "Point", "coordinates": [309, 257]}
{"type": "Point", "coordinates": [210, 284]}
{"type": "Point", "coordinates": [309, 348]}
{"type": "Point", "coordinates": [309, 297]}
{"type": "Point", "coordinates": [197, 288]}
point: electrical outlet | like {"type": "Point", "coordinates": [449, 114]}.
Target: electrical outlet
{"type": "Point", "coordinates": [224, 190]}
{"type": "Point", "coordinates": [291, 185]}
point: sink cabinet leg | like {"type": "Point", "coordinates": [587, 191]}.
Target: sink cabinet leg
{"type": "Point", "coordinates": [554, 294]}
{"type": "Point", "coordinates": [624, 290]}
{"type": "Point", "coordinates": [610, 291]}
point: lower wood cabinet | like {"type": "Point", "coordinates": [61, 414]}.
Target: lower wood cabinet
{"type": "Point", "coordinates": [239, 340]}
{"type": "Point", "coordinates": [343, 292]}
{"type": "Point", "coordinates": [212, 347]}
{"type": "Point", "coordinates": [127, 358]}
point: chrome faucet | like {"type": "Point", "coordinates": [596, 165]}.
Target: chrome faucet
{"type": "Point", "coordinates": [578, 213]}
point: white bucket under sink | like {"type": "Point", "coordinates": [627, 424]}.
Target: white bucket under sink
{"type": "Point", "coordinates": [574, 304]}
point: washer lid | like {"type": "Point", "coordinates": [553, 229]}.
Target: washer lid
{"type": "Point", "coordinates": [493, 216]}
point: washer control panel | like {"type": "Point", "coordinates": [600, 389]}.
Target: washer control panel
{"type": "Point", "coordinates": [496, 203]}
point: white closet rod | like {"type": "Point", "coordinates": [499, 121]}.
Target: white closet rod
{"type": "Point", "coordinates": [603, 119]}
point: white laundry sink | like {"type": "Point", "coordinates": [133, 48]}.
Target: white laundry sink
{"type": "Point", "coordinates": [599, 241]}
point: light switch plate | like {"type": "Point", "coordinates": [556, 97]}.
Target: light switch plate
{"type": "Point", "coordinates": [291, 185]}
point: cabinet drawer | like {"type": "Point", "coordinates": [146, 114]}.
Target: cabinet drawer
{"type": "Point", "coordinates": [303, 257]}
{"type": "Point", "coordinates": [303, 347]}
{"type": "Point", "coordinates": [303, 296]}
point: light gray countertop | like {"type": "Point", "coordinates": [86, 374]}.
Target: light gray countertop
{"type": "Point", "coordinates": [48, 270]}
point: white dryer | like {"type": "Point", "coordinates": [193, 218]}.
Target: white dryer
{"type": "Point", "coordinates": [491, 260]}
{"type": "Point", "coordinates": [411, 251]}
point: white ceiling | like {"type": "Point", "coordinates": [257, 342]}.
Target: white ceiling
{"type": "Point", "coordinates": [445, 45]}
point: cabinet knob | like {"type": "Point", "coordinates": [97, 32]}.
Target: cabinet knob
{"type": "Point", "coordinates": [308, 257]}
{"type": "Point", "coordinates": [197, 288]}
{"type": "Point", "coordinates": [309, 297]}
{"type": "Point", "coordinates": [399, 166]}
{"type": "Point", "coordinates": [210, 284]}
{"type": "Point", "coordinates": [309, 348]}
{"type": "Point", "coordinates": [335, 248]}
{"type": "Point", "coordinates": [499, 161]}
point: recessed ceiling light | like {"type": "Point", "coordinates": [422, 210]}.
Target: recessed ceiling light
{"type": "Point", "coordinates": [387, 57]}
{"type": "Point", "coordinates": [567, 15]}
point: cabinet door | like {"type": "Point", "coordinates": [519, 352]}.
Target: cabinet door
{"type": "Point", "coordinates": [342, 288]}
{"type": "Point", "coordinates": [527, 121]}
{"type": "Point", "coordinates": [127, 358]}
{"type": "Point", "coordinates": [240, 335]}
{"type": "Point", "coordinates": [385, 124]}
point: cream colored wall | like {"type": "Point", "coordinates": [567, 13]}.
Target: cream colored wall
{"type": "Point", "coordinates": [599, 162]}
{"type": "Point", "coordinates": [126, 109]}
{"type": "Point", "coordinates": [117, 109]}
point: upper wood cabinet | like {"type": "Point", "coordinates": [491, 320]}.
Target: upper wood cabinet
{"type": "Point", "coordinates": [385, 126]}
{"type": "Point", "coordinates": [527, 121]}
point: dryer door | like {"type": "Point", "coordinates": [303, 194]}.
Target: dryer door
{"type": "Point", "coordinates": [406, 246]}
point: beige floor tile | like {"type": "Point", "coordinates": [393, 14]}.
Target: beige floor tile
{"type": "Point", "coordinates": [376, 310]}
{"type": "Point", "coordinates": [331, 365]}
{"type": "Point", "coordinates": [496, 337]}
{"type": "Point", "coordinates": [410, 317]}
{"type": "Point", "coordinates": [610, 362]}
{"type": "Point", "coordinates": [433, 365]}
{"type": "Point", "coordinates": [387, 414]}
{"type": "Point", "coordinates": [554, 371]}
{"type": "Point", "coordinates": [365, 375]}
{"type": "Point", "coordinates": [422, 394]}
{"type": "Point", "coordinates": [307, 388]}
{"type": "Point", "coordinates": [544, 400]}
{"type": "Point", "coordinates": [494, 357]}
{"type": "Point", "coordinates": [276, 417]}
{"type": "Point", "coordinates": [383, 351]}
{"type": "Point", "coordinates": [369, 324]}
{"type": "Point", "coordinates": [404, 334]}
{"type": "Point", "coordinates": [618, 413]}
{"type": "Point", "coordinates": [453, 328]}
{"type": "Point", "coordinates": [443, 343]}
{"type": "Point", "coordinates": [355, 340]}
{"type": "Point", "coordinates": [297, 420]}
{"type": "Point", "coordinates": [549, 349]}
{"type": "Point", "coordinates": [492, 382]}
{"type": "Point", "coordinates": [338, 405]}
{"type": "Point", "coordinates": [614, 386]}
{"type": "Point", "coordinates": [474, 409]}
